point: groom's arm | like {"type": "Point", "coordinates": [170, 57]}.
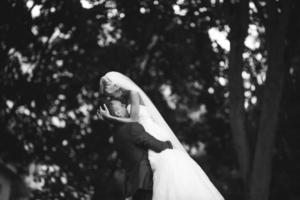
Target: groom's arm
{"type": "Point", "coordinates": [141, 137]}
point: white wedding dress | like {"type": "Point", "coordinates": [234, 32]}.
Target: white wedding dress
{"type": "Point", "coordinates": [176, 176]}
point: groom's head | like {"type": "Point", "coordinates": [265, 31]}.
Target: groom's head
{"type": "Point", "coordinates": [117, 108]}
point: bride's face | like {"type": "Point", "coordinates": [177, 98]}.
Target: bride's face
{"type": "Point", "coordinates": [111, 89]}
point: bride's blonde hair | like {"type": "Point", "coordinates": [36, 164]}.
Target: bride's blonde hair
{"type": "Point", "coordinates": [109, 88]}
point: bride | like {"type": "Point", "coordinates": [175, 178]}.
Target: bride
{"type": "Point", "coordinates": [176, 176]}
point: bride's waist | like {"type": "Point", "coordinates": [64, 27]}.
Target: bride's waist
{"type": "Point", "coordinates": [154, 129]}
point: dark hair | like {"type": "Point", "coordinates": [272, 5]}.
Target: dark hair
{"type": "Point", "coordinates": [108, 102]}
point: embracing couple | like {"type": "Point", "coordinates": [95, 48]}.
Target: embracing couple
{"type": "Point", "coordinates": [157, 165]}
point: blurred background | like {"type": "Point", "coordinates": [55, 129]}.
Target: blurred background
{"type": "Point", "coordinates": [223, 73]}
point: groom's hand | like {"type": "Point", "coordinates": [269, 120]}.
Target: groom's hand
{"type": "Point", "coordinates": [104, 112]}
{"type": "Point", "coordinates": [169, 144]}
{"type": "Point", "coordinates": [99, 114]}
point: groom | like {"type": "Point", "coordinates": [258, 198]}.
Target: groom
{"type": "Point", "coordinates": [132, 143]}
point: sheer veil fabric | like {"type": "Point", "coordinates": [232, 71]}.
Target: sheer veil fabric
{"type": "Point", "coordinates": [127, 84]}
{"type": "Point", "coordinates": [176, 176]}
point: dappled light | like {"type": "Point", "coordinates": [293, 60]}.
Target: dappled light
{"type": "Point", "coordinates": [224, 74]}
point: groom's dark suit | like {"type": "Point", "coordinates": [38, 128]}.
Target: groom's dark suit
{"type": "Point", "coordinates": [132, 143]}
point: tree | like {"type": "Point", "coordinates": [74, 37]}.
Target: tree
{"type": "Point", "coordinates": [276, 29]}
{"type": "Point", "coordinates": [54, 52]}
{"type": "Point", "coordinates": [255, 164]}
{"type": "Point", "coordinates": [238, 17]}
{"type": "Point", "coordinates": [52, 55]}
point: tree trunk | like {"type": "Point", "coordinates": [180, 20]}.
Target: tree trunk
{"type": "Point", "coordinates": [262, 165]}
{"type": "Point", "coordinates": [237, 111]}
{"type": "Point", "coordinates": [239, 27]}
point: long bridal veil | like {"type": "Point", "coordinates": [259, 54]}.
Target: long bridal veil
{"type": "Point", "coordinates": [176, 174]}
{"type": "Point", "coordinates": [126, 83]}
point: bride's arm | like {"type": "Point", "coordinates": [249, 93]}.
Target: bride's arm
{"type": "Point", "coordinates": [135, 105]}
{"type": "Point", "coordinates": [134, 110]}
{"type": "Point", "coordinates": [119, 119]}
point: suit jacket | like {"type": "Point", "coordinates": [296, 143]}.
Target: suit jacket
{"type": "Point", "coordinates": [132, 143]}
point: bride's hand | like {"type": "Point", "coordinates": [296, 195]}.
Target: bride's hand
{"type": "Point", "coordinates": [99, 115]}
{"type": "Point", "coordinates": [103, 113]}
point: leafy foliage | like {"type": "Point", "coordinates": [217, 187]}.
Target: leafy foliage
{"type": "Point", "coordinates": [53, 54]}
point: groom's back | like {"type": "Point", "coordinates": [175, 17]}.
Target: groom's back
{"type": "Point", "coordinates": [129, 152]}
{"type": "Point", "coordinates": [132, 143]}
